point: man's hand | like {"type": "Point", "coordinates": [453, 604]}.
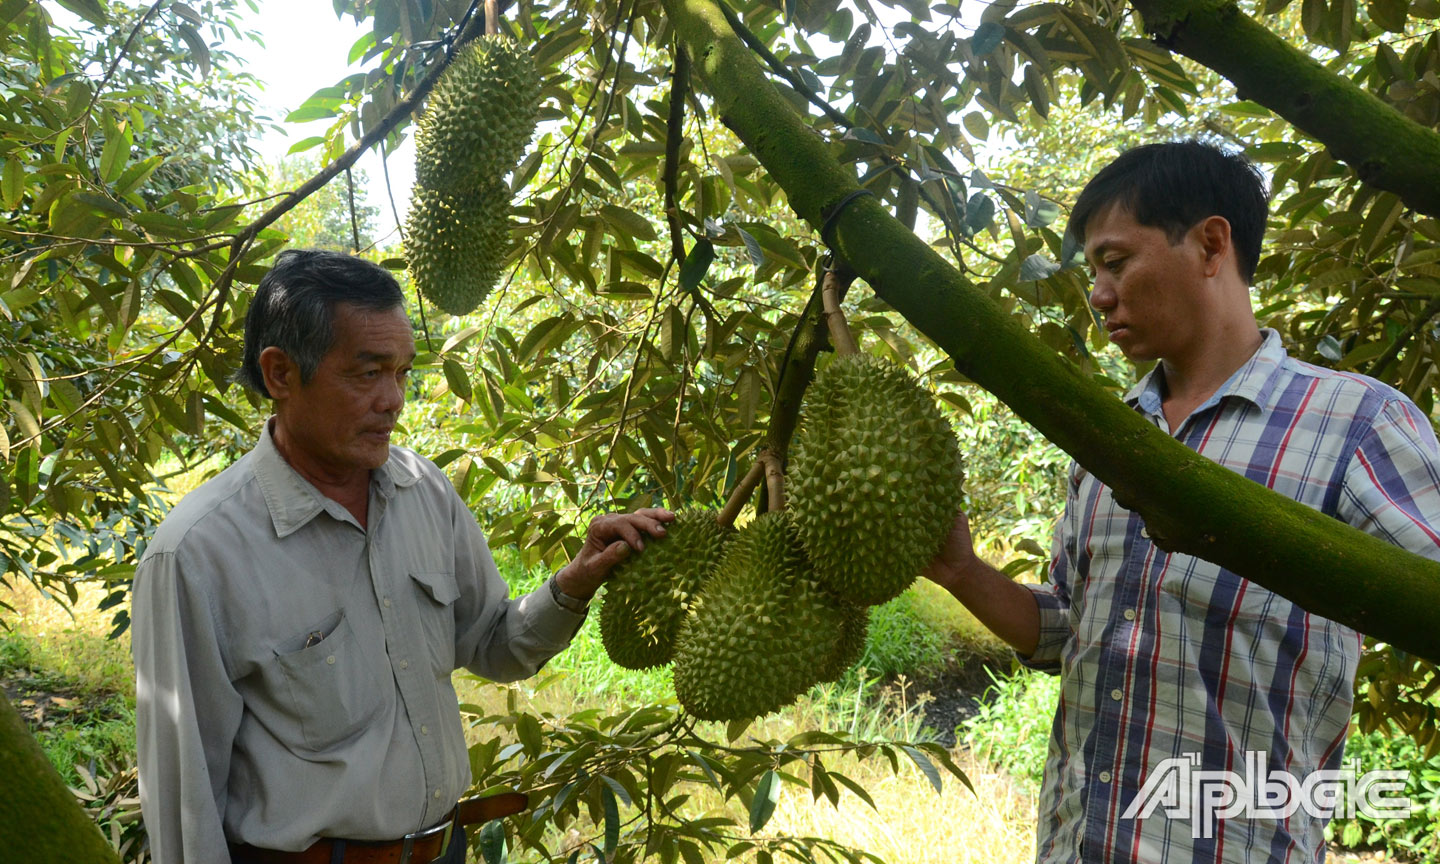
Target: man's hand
{"type": "Point", "coordinates": [956, 555]}
{"type": "Point", "coordinates": [609, 540]}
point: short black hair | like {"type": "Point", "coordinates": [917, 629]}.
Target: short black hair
{"type": "Point", "coordinates": [1173, 186]}
{"type": "Point", "coordinates": [294, 307]}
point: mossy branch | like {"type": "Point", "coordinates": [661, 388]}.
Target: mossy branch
{"type": "Point", "coordinates": [1204, 509]}
{"type": "Point", "coordinates": [40, 819]}
{"type": "Point", "coordinates": [1384, 147]}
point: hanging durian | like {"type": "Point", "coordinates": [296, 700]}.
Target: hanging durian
{"type": "Point", "coordinates": [649, 595]}
{"type": "Point", "coordinates": [456, 243]}
{"type": "Point", "coordinates": [476, 125]}
{"type": "Point", "coordinates": [479, 117]}
{"type": "Point", "coordinates": [764, 629]}
{"type": "Point", "coordinates": [875, 478]}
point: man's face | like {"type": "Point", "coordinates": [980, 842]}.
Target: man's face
{"type": "Point", "coordinates": [1149, 290]}
{"type": "Point", "coordinates": [340, 421]}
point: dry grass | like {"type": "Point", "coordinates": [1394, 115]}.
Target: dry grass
{"type": "Point", "coordinates": [69, 643]}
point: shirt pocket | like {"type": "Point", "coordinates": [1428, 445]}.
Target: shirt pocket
{"type": "Point", "coordinates": [334, 690]}
{"type": "Point", "coordinates": [435, 599]}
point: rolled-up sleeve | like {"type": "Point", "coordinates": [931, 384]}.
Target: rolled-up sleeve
{"type": "Point", "coordinates": [186, 715]}
{"type": "Point", "coordinates": [1053, 597]}
{"type": "Point", "coordinates": [497, 637]}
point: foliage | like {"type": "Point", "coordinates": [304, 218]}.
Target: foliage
{"type": "Point", "coordinates": [1011, 728]}
{"type": "Point", "coordinates": [622, 781]}
{"type": "Point", "coordinates": [901, 642]}
{"type": "Point", "coordinates": [324, 219]}
{"type": "Point", "coordinates": [1417, 837]}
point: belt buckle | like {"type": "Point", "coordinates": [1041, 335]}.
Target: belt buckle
{"type": "Point", "coordinates": [407, 843]}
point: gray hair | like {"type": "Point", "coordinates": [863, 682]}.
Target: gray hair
{"type": "Point", "coordinates": [294, 308]}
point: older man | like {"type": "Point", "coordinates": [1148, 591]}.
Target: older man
{"type": "Point", "coordinates": [297, 618]}
{"type": "Point", "coordinates": [1164, 658]}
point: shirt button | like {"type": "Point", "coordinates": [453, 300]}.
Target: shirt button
{"type": "Point", "coordinates": [436, 796]}
{"type": "Point", "coordinates": [1104, 776]}
{"type": "Point", "coordinates": [1129, 614]}
{"type": "Point", "coordinates": [386, 601]}
{"type": "Point", "coordinates": [1144, 532]}
{"type": "Point", "coordinates": [330, 659]}
{"type": "Point", "coordinates": [404, 664]}
{"type": "Point", "coordinates": [424, 730]}
{"type": "Point", "coordinates": [1116, 694]}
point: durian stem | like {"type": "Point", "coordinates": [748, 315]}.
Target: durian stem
{"type": "Point", "coordinates": [492, 17]}
{"type": "Point", "coordinates": [834, 282]}
{"type": "Point", "coordinates": [736, 502]}
{"type": "Point", "coordinates": [774, 481]}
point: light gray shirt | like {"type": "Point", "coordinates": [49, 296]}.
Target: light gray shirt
{"type": "Point", "coordinates": [245, 734]}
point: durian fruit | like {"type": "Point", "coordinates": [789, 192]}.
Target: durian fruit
{"type": "Point", "coordinates": [849, 644]}
{"type": "Point", "coordinates": [649, 595]}
{"type": "Point", "coordinates": [874, 480]}
{"type": "Point", "coordinates": [479, 117]}
{"type": "Point", "coordinates": [455, 244]}
{"type": "Point", "coordinates": [763, 631]}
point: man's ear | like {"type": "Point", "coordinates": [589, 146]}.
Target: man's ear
{"type": "Point", "coordinates": [1214, 235]}
{"type": "Point", "coordinates": [280, 373]}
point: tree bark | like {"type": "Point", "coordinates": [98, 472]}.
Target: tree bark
{"type": "Point", "coordinates": [1189, 503]}
{"type": "Point", "coordinates": [40, 821]}
{"type": "Point", "coordinates": [1384, 147]}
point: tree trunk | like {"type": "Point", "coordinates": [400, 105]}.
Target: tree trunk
{"type": "Point", "coordinates": [1384, 147]}
{"type": "Point", "coordinates": [1189, 503]}
{"type": "Point", "coordinates": [40, 821]}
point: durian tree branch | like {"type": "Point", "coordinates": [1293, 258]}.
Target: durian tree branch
{"type": "Point", "coordinates": [39, 817]}
{"type": "Point", "coordinates": [1384, 147]}
{"type": "Point", "coordinates": [1195, 505]}
{"type": "Point", "coordinates": [674, 134]}
{"type": "Point", "coordinates": [740, 494]}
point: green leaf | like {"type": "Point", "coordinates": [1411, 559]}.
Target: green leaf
{"type": "Point", "coordinates": [627, 221]}
{"type": "Point", "coordinates": [90, 10]}
{"type": "Point", "coordinates": [987, 38]}
{"type": "Point", "coordinates": [199, 51]}
{"type": "Point", "coordinates": [697, 264]}
{"type": "Point", "coordinates": [12, 183]}
{"type": "Point", "coordinates": [306, 144]}
{"type": "Point", "coordinates": [612, 820]}
{"type": "Point", "coordinates": [116, 153]}
{"type": "Point", "coordinates": [616, 787]}
{"type": "Point", "coordinates": [767, 795]}
{"type": "Point", "coordinates": [457, 379]}
{"type": "Point", "coordinates": [976, 125]}
{"type": "Point", "coordinates": [492, 842]}
{"type": "Point", "coordinates": [752, 246]}
{"type": "Point", "coordinates": [925, 765]}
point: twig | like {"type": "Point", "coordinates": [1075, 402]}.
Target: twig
{"type": "Point", "coordinates": [774, 481]}
{"type": "Point", "coordinates": [754, 43]}
{"type": "Point", "coordinates": [354, 220]}
{"type": "Point", "coordinates": [674, 132]}
{"type": "Point", "coordinates": [1383, 362]}
{"type": "Point", "coordinates": [741, 493]}
{"type": "Point", "coordinates": [833, 283]}
{"type": "Point", "coordinates": [115, 64]}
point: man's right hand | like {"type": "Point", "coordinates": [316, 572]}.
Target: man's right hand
{"type": "Point", "coordinates": [956, 556]}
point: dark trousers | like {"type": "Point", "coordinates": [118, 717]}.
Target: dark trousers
{"type": "Point", "coordinates": [454, 855]}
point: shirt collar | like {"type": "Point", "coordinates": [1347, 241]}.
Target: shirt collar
{"type": "Point", "coordinates": [293, 501]}
{"type": "Point", "coordinates": [1253, 382]}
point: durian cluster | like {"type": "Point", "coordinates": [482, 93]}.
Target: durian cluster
{"type": "Point", "coordinates": [475, 128]}
{"type": "Point", "coordinates": [754, 618]}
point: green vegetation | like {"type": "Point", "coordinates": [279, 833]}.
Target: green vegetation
{"type": "Point", "coordinates": [1012, 727]}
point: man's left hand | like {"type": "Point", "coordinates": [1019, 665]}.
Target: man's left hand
{"type": "Point", "coordinates": [610, 539]}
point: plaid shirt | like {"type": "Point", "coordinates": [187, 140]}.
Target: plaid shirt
{"type": "Point", "coordinates": [1164, 656]}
